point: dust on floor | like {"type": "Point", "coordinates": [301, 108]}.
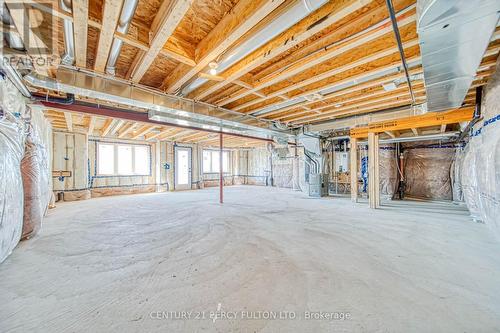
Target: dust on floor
{"type": "Point", "coordinates": [267, 260]}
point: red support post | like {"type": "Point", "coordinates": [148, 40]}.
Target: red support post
{"type": "Point", "coordinates": [221, 170]}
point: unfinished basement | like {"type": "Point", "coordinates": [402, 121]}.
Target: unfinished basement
{"type": "Point", "coordinates": [250, 166]}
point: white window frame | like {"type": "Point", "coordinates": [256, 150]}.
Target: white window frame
{"type": "Point", "coordinates": [228, 152]}
{"type": "Point", "coordinates": [115, 156]}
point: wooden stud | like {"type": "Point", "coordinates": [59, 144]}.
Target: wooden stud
{"type": "Point", "coordinates": [354, 169]}
{"type": "Point", "coordinates": [373, 171]}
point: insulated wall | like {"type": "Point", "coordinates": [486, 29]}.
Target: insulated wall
{"type": "Point", "coordinates": [283, 171]}
{"type": "Point", "coordinates": [36, 171]}
{"type": "Point", "coordinates": [12, 137]}
{"type": "Point", "coordinates": [480, 163]}
{"type": "Point", "coordinates": [387, 168]}
{"type": "Point", "coordinates": [76, 152]}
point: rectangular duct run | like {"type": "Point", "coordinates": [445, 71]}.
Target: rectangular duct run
{"type": "Point", "coordinates": [451, 46]}
{"type": "Point", "coordinates": [160, 106]}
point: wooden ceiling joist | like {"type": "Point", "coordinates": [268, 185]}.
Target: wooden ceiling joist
{"type": "Point", "coordinates": [324, 55]}
{"type": "Point", "coordinates": [80, 31]}
{"type": "Point", "coordinates": [164, 24]}
{"type": "Point", "coordinates": [129, 127]}
{"type": "Point", "coordinates": [309, 73]}
{"type": "Point", "coordinates": [371, 58]}
{"type": "Point", "coordinates": [91, 125]}
{"type": "Point", "coordinates": [69, 121]}
{"type": "Point", "coordinates": [352, 106]}
{"type": "Point", "coordinates": [338, 97]}
{"type": "Point", "coordinates": [107, 126]}
{"type": "Point", "coordinates": [142, 131]}
{"type": "Point", "coordinates": [240, 19]}
{"type": "Point", "coordinates": [322, 18]}
{"type": "Point", "coordinates": [111, 14]}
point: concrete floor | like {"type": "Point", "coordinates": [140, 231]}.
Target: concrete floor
{"type": "Point", "coordinates": [130, 263]}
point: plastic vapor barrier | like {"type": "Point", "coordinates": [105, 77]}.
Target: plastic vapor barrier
{"type": "Point", "coordinates": [480, 160]}
{"type": "Point", "coordinates": [11, 153]}
{"type": "Point", "coordinates": [481, 175]}
{"type": "Point", "coordinates": [455, 173]}
{"type": "Point", "coordinates": [36, 175]}
{"type": "Point", "coordinates": [427, 171]}
{"type": "Point", "coordinates": [388, 170]}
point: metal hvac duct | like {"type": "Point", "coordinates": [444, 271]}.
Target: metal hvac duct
{"type": "Point", "coordinates": [454, 35]}
{"type": "Point", "coordinates": [69, 40]}
{"type": "Point", "coordinates": [160, 106]}
{"type": "Point", "coordinates": [126, 15]}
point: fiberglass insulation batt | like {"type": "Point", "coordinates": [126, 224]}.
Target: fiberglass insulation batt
{"type": "Point", "coordinates": [11, 153]}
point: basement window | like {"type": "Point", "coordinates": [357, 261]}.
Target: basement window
{"type": "Point", "coordinates": [120, 159]}
{"type": "Point", "coordinates": [211, 161]}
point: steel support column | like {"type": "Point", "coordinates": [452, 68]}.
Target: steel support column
{"type": "Point", "coordinates": [221, 170]}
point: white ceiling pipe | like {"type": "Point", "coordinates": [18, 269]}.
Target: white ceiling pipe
{"type": "Point", "coordinates": [69, 40]}
{"type": "Point", "coordinates": [126, 15]}
{"type": "Point", "coordinates": [295, 13]}
{"type": "Point", "coordinates": [447, 135]}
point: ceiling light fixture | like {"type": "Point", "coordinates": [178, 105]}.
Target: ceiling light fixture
{"type": "Point", "coordinates": [390, 86]}
{"type": "Point", "coordinates": [314, 97]}
{"type": "Point", "coordinates": [213, 68]}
